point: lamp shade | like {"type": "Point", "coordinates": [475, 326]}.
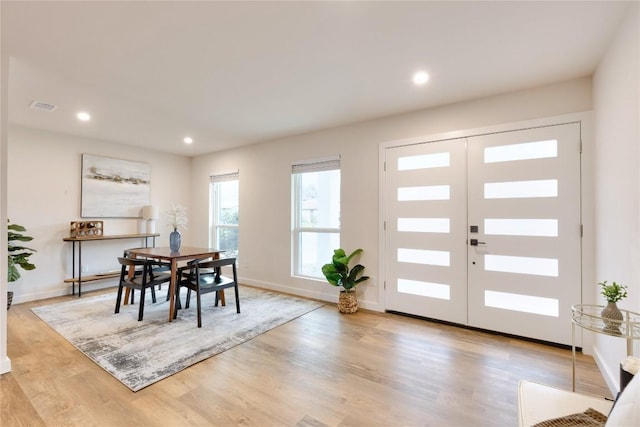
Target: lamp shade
{"type": "Point", "coordinates": [150, 212]}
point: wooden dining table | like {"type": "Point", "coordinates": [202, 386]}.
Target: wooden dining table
{"type": "Point", "coordinates": [186, 253]}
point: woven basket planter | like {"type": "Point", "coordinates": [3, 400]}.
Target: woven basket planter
{"type": "Point", "coordinates": [347, 302]}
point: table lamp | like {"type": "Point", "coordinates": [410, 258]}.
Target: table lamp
{"type": "Point", "coordinates": [150, 214]}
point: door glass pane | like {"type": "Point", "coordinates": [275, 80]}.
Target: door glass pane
{"type": "Point", "coordinates": [431, 192]}
{"type": "Point", "coordinates": [524, 303]}
{"type": "Point", "coordinates": [521, 189]}
{"type": "Point", "coordinates": [424, 225]}
{"type": "Point", "coordinates": [525, 151]}
{"type": "Point", "coordinates": [521, 227]}
{"type": "Point", "coordinates": [423, 161]}
{"type": "Point", "coordinates": [522, 265]}
{"type": "Point", "coordinates": [425, 289]}
{"type": "Point", "coordinates": [420, 256]}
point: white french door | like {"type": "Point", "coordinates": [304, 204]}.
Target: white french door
{"type": "Point", "coordinates": [510, 258]}
{"type": "Point", "coordinates": [425, 230]}
{"type": "Point", "coordinates": [524, 196]}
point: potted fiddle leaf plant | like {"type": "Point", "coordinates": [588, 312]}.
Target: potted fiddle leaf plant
{"type": "Point", "coordinates": [611, 315]}
{"type": "Point", "coordinates": [339, 273]}
{"type": "Point", "coordinates": [17, 255]}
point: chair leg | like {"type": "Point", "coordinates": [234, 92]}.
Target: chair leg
{"type": "Point", "coordinates": [141, 309]}
{"type": "Point", "coordinates": [199, 308]}
{"type": "Point", "coordinates": [177, 304]}
{"type": "Point", "coordinates": [188, 299]}
{"type": "Point", "coordinates": [153, 294]}
{"type": "Point", "coordinates": [118, 299]}
{"type": "Point", "coordinates": [237, 299]}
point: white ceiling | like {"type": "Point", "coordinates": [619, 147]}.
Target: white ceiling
{"type": "Point", "coordinates": [235, 73]}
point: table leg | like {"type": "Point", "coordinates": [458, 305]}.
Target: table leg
{"type": "Point", "coordinates": [573, 353]}
{"type": "Point", "coordinates": [172, 288]}
{"type": "Point", "coordinates": [79, 269]}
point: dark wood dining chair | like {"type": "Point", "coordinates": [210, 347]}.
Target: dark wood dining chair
{"type": "Point", "coordinates": [157, 266]}
{"type": "Point", "coordinates": [203, 276]}
{"type": "Point", "coordinates": [141, 281]}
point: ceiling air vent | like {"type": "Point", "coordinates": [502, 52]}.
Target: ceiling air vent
{"type": "Point", "coordinates": [38, 105]}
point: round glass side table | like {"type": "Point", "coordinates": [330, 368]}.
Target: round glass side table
{"type": "Point", "coordinates": [587, 316]}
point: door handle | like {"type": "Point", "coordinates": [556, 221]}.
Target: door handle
{"type": "Point", "coordinates": [476, 242]}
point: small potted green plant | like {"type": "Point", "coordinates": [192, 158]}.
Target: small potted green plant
{"type": "Point", "coordinates": [338, 273]}
{"type": "Point", "coordinates": [611, 315]}
{"type": "Point", "coordinates": [17, 255]}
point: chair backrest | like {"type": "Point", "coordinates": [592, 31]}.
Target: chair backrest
{"type": "Point", "coordinates": [208, 264]}
{"type": "Point", "coordinates": [130, 268]}
{"type": "Point", "coordinates": [221, 262]}
{"type": "Point", "coordinates": [131, 261]}
{"type": "Point", "coordinates": [127, 252]}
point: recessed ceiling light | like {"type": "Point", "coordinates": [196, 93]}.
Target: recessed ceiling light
{"type": "Point", "coordinates": [188, 140]}
{"type": "Point", "coordinates": [85, 117]}
{"type": "Point", "coordinates": [420, 78]}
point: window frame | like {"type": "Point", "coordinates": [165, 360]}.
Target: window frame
{"type": "Point", "coordinates": [297, 230]}
{"type": "Point", "coordinates": [214, 209]}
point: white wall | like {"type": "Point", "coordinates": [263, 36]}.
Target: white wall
{"type": "Point", "coordinates": [44, 196]}
{"type": "Point", "coordinates": [616, 93]}
{"type": "Point", "coordinates": [265, 180]}
{"type": "Point", "coordinates": [5, 362]}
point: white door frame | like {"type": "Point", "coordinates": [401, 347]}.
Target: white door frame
{"type": "Point", "coordinates": [589, 291]}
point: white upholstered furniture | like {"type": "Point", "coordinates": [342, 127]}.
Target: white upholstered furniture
{"type": "Point", "coordinates": [537, 402]}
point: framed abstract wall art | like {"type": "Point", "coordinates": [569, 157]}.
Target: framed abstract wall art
{"type": "Point", "coordinates": [114, 188]}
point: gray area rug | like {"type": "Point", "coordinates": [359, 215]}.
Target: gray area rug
{"type": "Point", "coordinates": [141, 353]}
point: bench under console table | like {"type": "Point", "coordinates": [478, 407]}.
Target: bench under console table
{"type": "Point", "coordinates": [100, 276]}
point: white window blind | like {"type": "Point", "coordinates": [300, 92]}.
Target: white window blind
{"type": "Point", "coordinates": [229, 176]}
{"type": "Point", "coordinates": [316, 165]}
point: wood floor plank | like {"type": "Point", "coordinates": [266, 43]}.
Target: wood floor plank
{"type": "Point", "coordinates": [322, 369]}
{"type": "Point", "coordinates": [15, 407]}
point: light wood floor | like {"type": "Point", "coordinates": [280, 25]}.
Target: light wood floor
{"type": "Point", "coordinates": [322, 369]}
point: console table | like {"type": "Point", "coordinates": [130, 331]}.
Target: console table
{"type": "Point", "coordinates": [587, 316]}
{"type": "Point", "coordinates": [100, 276]}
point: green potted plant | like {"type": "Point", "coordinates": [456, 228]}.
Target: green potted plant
{"type": "Point", "coordinates": [17, 255]}
{"type": "Point", "coordinates": [611, 315]}
{"type": "Point", "coordinates": [338, 273]}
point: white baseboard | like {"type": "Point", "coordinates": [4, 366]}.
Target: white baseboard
{"type": "Point", "coordinates": [330, 296]}
{"type": "Point", "coordinates": [611, 378]}
{"type": "Point", "coordinates": [5, 365]}
{"type": "Point", "coordinates": [61, 291]}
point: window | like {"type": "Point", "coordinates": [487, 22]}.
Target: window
{"type": "Point", "coordinates": [224, 213]}
{"type": "Point", "coordinates": [316, 215]}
